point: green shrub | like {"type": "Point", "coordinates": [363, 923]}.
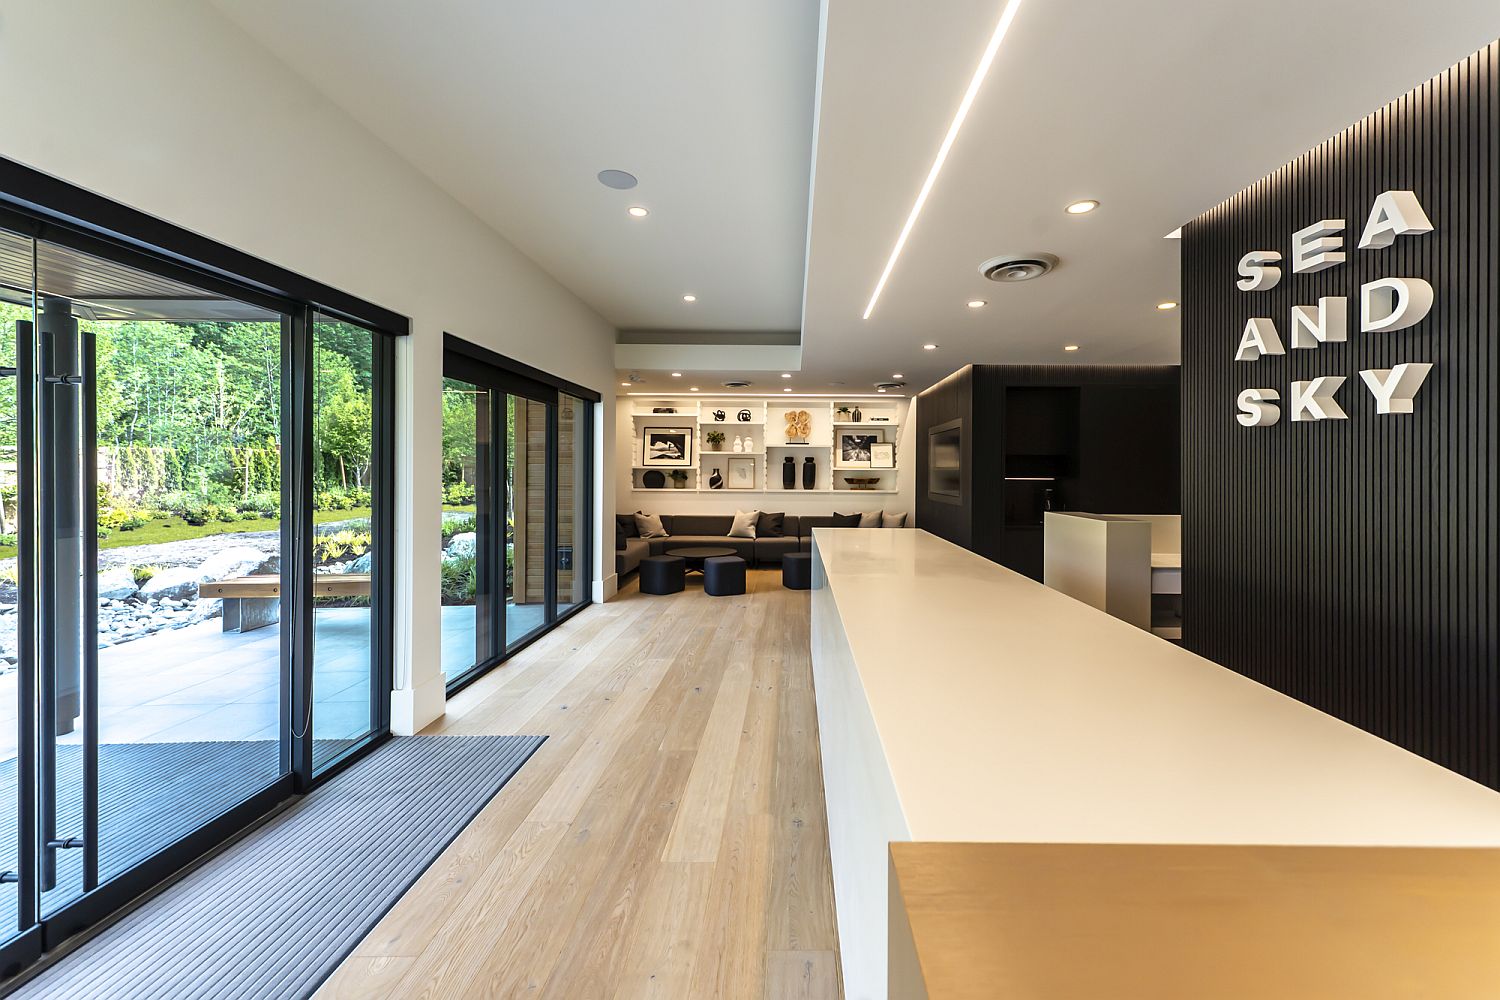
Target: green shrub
{"type": "Point", "coordinates": [8, 539]}
{"type": "Point", "coordinates": [196, 513]}
{"type": "Point", "coordinates": [460, 580]}
{"type": "Point", "coordinates": [102, 532]}
{"type": "Point", "coordinates": [226, 515]}
{"type": "Point", "coordinates": [132, 522]}
{"type": "Point", "coordinates": [457, 526]}
{"type": "Point", "coordinates": [458, 495]}
{"type": "Point", "coordinates": [143, 573]}
{"type": "Point", "coordinates": [328, 548]}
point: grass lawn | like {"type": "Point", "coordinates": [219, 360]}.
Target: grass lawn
{"type": "Point", "coordinates": [175, 529]}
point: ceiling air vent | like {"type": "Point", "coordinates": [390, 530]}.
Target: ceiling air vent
{"type": "Point", "coordinates": [736, 383]}
{"type": "Point", "coordinates": [890, 385]}
{"type": "Point", "coordinates": [1018, 266]}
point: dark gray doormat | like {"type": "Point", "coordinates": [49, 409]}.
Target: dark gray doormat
{"type": "Point", "coordinates": [276, 913]}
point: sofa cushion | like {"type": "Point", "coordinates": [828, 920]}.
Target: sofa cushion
{"type": "Point", "coordinates": [744, 524]}
{"type": "Point", "coordinates": [889, 520]}
{"type": "Point", "coordinates": [807, 522]}
{"type": "Point", "coordinates": [870, 518]}
{"type": "Point", "coordinates": [701, 524]}
{"type": "Point", "coordinates": [626, 523]}
{"type": "Point", "coordinates": [628, 559]}
{"type": "Point", "coordinates": [619, 536]}
{"type": "Point", "coordinates": [845, 520]}
{"type": "Point", "coordinates": [770, 525]}
{"type": "Point", "coordinates": [650, 525]}
{"type": "Point", "coordinates": [768, 551]}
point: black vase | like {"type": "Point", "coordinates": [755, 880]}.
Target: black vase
{"type": "Point", "coordinates": [858, 416]}
{"type": "Point", "coordinates": [789, 473]}
{"type": "Point", "coordinates": [716, 481]}
{"type": "Point", "coordinates": [809, 472]}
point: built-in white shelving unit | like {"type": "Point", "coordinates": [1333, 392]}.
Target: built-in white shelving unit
{"type": "Point", "coordinates": [834, 442]}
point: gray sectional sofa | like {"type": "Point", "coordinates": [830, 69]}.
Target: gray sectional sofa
{"type": "Point", "coordinates": [712, 529]}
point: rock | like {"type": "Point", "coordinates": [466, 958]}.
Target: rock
{"type": "Point", "coordinates": [360, 565]}
{"type": "Point", "coordinates": [238, 560]}
{"type": "Point", "coordinates": [174, 582]}
{"type": "Point", "coordinates": [116, 584]}
{"type": "Point", "coordinates": [461, 545]}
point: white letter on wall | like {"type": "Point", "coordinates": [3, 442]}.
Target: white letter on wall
{"type": "Point", "coordinates": [1328, 322]}
{"type": "Point", "coordinates": [1259, 338]}
{"type": "Point", "coordinates": [1316, 248]}
{"type": "Point", "coordinates": [1393, 304]}
{"type": "Point", "coordinates": [1259, 275]}
{"type": "Point", "coordinates": [1314, 400]}
{"type": "Point", "coordinates": [1255, 410]}
{"type": "Point", "coordinates": [1394, 388]}
{"type": "Point", "coordinates": [1395, 213]}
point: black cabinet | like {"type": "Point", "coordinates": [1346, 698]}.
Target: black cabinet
{"type": "Point", "coordinates": [1034, 438]}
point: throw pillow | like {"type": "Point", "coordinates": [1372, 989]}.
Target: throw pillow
{"type": "Point", "coordinates": [744, 524]}
{"type": "Point", "coordinates": [870, 519]}
{"type": "Point", "coordinates": [770, 525]}
{"type": "Point", "coordinates": [893, 520]}
{"type": "Point", "coordinates": [619, 537]}
{"type": "Point", "coordinates": [627, 525]}
{"type": "Point", "coordinates": [845, 520]}
{"type": "Point", "coordinates": [650, 525]}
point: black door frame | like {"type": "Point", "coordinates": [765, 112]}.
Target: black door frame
{"type": "Point", "coordinates": [504, 377]}
{"type": "Point", "coordinates": [43, 208]}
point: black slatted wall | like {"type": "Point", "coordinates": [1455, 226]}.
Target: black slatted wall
{"type": "Point", "coordinates": [1352, 564]}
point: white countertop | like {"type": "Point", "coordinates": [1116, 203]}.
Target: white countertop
{"type": "Point", "coordinates": [1009, 712]}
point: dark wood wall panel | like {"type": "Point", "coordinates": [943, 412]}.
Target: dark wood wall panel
{"type": "Point", "coordinates": [1352, 564]}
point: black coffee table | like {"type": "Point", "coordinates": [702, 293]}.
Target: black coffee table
{"type": "Point", "coordinates": [692, 558]}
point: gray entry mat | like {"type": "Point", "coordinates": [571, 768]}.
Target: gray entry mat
{"type": "Point", "coordinates": [275, 913]}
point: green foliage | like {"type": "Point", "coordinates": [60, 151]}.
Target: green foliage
{"type": "Point", "coordinates": [460, 580]}
{"type": "Point", "coordinates": [143, 573]}
{"type": "Point", "coordinates": [457, 526]}
{"type": "Point", "coordinates": [132, 522]}
{"type": "Point", "coordinates": [714, 437]}
{"type": "Point", "coordinates": [458, 495]}
{"type": "Point", "coordinates": [8, 539]}
{"type": "Point", "coordinates": [330, 548]}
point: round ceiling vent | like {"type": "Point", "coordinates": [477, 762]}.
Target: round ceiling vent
{"type": "Point", "coordinates": [737, 383]}
{"type": "Point", "coordinates": [620, 180]}
{"type": "Point", "coordinates": [1018, 266]}
{"type": "Point", "coordinates": [889, 385]}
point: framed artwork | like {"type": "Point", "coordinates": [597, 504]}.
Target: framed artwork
{"type": "Point", "coordinates": [852, 450]}
{"type": "Point", "coordinates": [883, 455]}
{"type": "Point", "coordinates": [741, 474]}
{"type": "Point", "coordinates": [667, 446]}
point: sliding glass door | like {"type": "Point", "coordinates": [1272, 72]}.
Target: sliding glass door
{"type": "Point", "coordinates": [176, 655]}
{"type": "Point", "coordinates": [516, 505]}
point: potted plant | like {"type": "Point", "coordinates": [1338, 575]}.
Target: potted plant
{"type": "Point", "coordinates": [715, 439]}
{"type": "Point", "coordinates": [679, 479]}
{"type": "Point", "coordinates": [843, 413]}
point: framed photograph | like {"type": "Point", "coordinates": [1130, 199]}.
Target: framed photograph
{"type": "Point", "coordinates": [667, 446]}
{"type": "Point", "coordinates": [883, 455]}
{"type": "Point", "coordinates": [853, 448]}
{"type": "Point", "coordinates": [741, 474]}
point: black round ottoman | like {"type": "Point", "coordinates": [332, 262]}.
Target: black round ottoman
{"type": "Point", "coordinates": [796, 571]}
{"type": "Point", "coordinates": [662, 575]}
{"type": "Point", "coordinates": [723, 576]}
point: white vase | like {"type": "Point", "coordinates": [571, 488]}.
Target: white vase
{"type": "Point", "coordinates": [739, 445]}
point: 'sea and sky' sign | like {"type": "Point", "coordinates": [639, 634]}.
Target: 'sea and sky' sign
{"type": "Point", "coordinates": [1385, 305]}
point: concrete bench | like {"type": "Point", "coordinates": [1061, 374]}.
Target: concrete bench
{"type": "Point", "coordinates": [252, 602]}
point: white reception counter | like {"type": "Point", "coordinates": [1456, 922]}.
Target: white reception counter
{"type": "Point", "coordinates": [960, 701]}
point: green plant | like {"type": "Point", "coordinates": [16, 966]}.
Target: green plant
{"type": "Point", "coordinates": [197, 513]}
{"type": "Point", "coordinates": [132, 522]}
{"type": "Point", "coordinates": [458, 495]}
{"type": "Point", "coordinates": [8, 539]}
{"type": "Point", "coordinates": [328, 548]}
{"type": "Point", "coordinates": [9, 575]}
{"type": "Point", "coordinates": [460, 580]}
{"type": "Point", "coordinates": [457, 526]}
{"type": "Point", "coordinates": [225, 514]}
{"type": "Point", "coordinates": [143, 573]}
{"type": "Point", "coordinates": [102, 532]}
{"type": "Point", "coordinates": [714, 438]}
{"type": "Point", "coordinates": [679, 475]}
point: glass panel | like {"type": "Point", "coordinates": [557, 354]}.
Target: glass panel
{"type": "Point", "coordinates": [16, 288]}
{"type": "Point", "coordinates": [188, 397]}
{"type": "Point", "coordinates": [573, 576]}
{"type": "Point", "coordinates": [526, 518]}
{"type": "Point", "coordinates": [344, 709]}
{"type": "Point", "coordinates": [466, 433]}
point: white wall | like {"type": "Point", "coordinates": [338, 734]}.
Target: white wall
{"type": "Point", "coordinates": [166, 106]}
{"type": "Point", "coordinates": [670, 501]}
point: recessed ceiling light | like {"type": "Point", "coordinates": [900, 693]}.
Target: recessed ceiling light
{"type": "Point", "coordinates": [1006, 17]}
{"type": "Point", "coordinates": [977, 303]}
{"type": "Point", "coordinates": [1071, 347]}
{"type": "Point", "coordinates": [639, 211]}
{"type": "Point", "coordinates": [690, 298]}
{"type": "Point", "coordinates": [620, 180]}
{"type": "Point", "coordinates": [625, 385]}
{"type": "Point", "coordinates": [787, 389]}
{"type": "Point", "coordinates": [693, 388]}
{"type": "Point", "coordinates": [786, 374]}
{"type": "Point", "coordinates": [880, 390]}
{"type": "Point", "coordinates": [1164, 306]}
{"type": "Point", "coordinates": [929, 347]}
{"type": "Point", "coordinates": [677, 374]}
{"type": "Point", "coordinates": [898, 375]}
{"type": "Point", "coordinates": [1083, 207]}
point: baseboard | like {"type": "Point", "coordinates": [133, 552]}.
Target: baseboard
{"type": "Point", "coordinates": [414, 709]}
{"type": "Point", "coordinates": [606, 588]}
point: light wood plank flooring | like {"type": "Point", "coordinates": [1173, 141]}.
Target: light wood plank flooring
{"type": "Point", "coordinates": [668, 840]}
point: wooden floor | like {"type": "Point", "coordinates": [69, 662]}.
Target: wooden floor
{"type": "Point", "coordinates": [669, 838]}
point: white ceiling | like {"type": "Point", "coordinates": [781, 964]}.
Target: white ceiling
{"type": "Point", "coordinates": [513, 107]}
{"type": "Point", "coordinates": [1158, 108]}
